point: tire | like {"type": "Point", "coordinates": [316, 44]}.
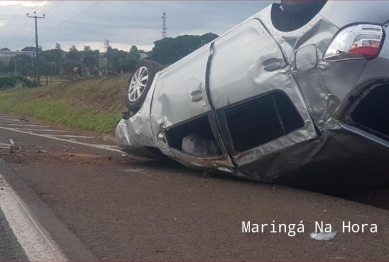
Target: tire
{"type": "Point", "coordinates": [297, 7]}
{"type": "Point", "coordinates": [139, 84]}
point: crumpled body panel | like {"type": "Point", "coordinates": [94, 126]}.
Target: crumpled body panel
{"type": "Point", "coordinates": [253, 60]}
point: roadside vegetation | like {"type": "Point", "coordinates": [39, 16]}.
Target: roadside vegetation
{"type": "Point", "coordinates": [93, 104]}
{"type": "Point", "coordinates": [95, 101]}
{"type": "Point", "coordinates": [7, 82]}
{"type": "Point", "coordinates": [88, 62]}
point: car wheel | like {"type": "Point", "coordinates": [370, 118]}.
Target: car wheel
{"type": "Point", "coordinates": [139, 84]}
{"type": "Point", "coordinates": [297, 7]}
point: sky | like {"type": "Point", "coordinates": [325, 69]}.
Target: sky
{"type": "Point", "coordinates": [123, 23]}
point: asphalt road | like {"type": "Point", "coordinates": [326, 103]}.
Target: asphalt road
{"type": "Point", "coordinates": [10, 249]}
{"type": "Point", "coordinates": [94, 204]}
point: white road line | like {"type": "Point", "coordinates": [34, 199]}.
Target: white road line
{"type": "Point", "coordinates": [105, 147]}
{"type": "Point", "coordinates": [34, 239]}
{"type": "Point", "coordinates": [71, 136]}
{"type": "Point", "coordinates": [21, 124]}
{"type": "Point", "coordinates": [4, 122]}
{"type": "Point", "coordinates": [37, 129]}
{"type": "Point", "coordinates": [10, 120]}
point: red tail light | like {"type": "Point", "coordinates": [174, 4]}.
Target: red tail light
{"type": "Point", "coordinates": [366, 51]}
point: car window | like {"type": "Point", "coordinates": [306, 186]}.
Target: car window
{"type": "Point", "coordinates": [262, 120]}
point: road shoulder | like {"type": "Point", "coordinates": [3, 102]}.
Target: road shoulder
{"type": "Point", "coordinates": [71, 246]}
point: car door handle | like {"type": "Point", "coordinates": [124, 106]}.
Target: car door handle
{"type": "Point", "coordinates": [271, 64]}
{"type": "Point", "coordinates": [196, 96]}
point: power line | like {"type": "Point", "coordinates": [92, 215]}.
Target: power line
{"type": "Point", "coordinates": [32, 42]}
{"type": "Point", "coordinates": [15, 31]}
{"type": "Point", "coordinates": [32, 28]}
{"type": "Point", "coordinates": [19, 32]}
{"type": "Point", "coordinates": [71, 18]}
{"type": "Point", "coordinates": [35, 7]}
{"type": "Point", "coordinates": [54, 7]}
{"type": "Point", "coordinates": [39, 6]}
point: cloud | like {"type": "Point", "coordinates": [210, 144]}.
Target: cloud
{"type": "Point", "coordinates": [124, 23]}
{"type": "Point", "coordinates": [23, 3]}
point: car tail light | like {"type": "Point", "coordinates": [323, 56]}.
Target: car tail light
{"type": "Point", "coordinates": [356, 42]}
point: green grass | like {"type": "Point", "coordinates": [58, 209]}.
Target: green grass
{"type": "Point", "coordinates": [94, 105]}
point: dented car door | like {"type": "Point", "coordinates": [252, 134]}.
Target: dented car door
{"type": "Point", "coordinates": [258, 105]}
{"type": "Point", "coordinates": [181, 109]}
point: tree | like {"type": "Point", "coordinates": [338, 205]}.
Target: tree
{"type": "Point", "coordinates": [116, 55]}
{"type": "Point", "coordinates": [68, 66]}
{"type": "Point", "coordinates": [5, 49]}
{"type": "Point", "coordinates": [90, 57]}
{"type": "Point", "coordinates": [170, 50]}
{"type": "Point", "coordinates": [208, 37]}
{"type": "Point", "coordinates": [57, 56]}
{"type": "Point", "coordinates": [73, 48]}
{"type": "Point", "coordinates": [127, 64]}
{"type": "Point", "coordinates": [106, 45]}
{"type": "Point", "coordinates": [31, 48]}
{"type": "Point", "coordinates": [22, 64]}
{"type": "Point", "coordinates": [134, 49]}
{"type": "Point", "coordinates": [73, 53]}
{"type": "Point", "coordinates": [162, 50]}
{"type": "Point", "coordinates": [3, 67]}
{"type": "Point", "coordinates": [134, 52]}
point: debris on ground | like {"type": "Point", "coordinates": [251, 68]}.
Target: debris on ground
{"type": "Point", "coordinates": [323, 235]}
{"type": "Point", "coordinates": [208, 173]}
{"type": "Point", "coordinates": [23, 119]}
{"type": "Point", "coordinates": [8, 146]}
{"type": "Point", "coordinates": [42, 151]}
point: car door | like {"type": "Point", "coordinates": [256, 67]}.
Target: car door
{"type": "Point", "coordinates": [180, 108]}
{"type": "Point", "coordinates": [258, 105]}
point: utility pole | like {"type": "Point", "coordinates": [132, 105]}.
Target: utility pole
{"type": "Point", "coordinates": [108, 47]}
{"type": "Point", "coordinates": [38, 77]}
{"type": "Point", "coordinates": [108, 59]}
{"type": "Point", "coordinates": [47, 77]}
{"type": "Point", "coordinates": [6, 62]}
{"type": "Point", "coordinates": [9, 65]}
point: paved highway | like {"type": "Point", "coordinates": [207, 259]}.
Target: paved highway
{"type": "Point", "coordinates": [68, 195]}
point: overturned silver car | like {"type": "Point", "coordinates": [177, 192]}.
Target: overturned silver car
{"type": "Point", "coordinates": [298, 94]}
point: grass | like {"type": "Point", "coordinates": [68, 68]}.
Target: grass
{"type": "Point", "coordinates": [94, 105]}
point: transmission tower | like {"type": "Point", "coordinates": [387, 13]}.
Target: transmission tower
{"type": "Point", "coordinates": [164, 28]}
